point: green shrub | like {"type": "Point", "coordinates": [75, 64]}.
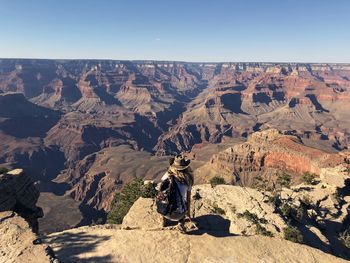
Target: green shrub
{"type": "Point", "coordinates": [251, 217]}
{"type": "Point", "coordinates": [3, 170]}
{"type": "Point", "coordinates": [284, 180]}
{"type": "Point", "coordinates": [123, 201]}
{"type": "Point", "coordinates": [291, 212]}
{"type": "Point", "coordinates": [275, 200]}
{"type": "Point", "coordinates": [260, 230]}
{"type": "Point", "coordinates": [254, 219]}
{"type": "Point", "coordinates": [260, 184]}
{"type": "Point", "coordinates": [216, 181]}
{"type": "Point", "coordinates": [148, 190]}
{"type": "Point", "coordinates": [308, 178]}
{"type": "Point", "coordinates": [293, 234]}
{"type": "Point", "coordinates": [217, 210]}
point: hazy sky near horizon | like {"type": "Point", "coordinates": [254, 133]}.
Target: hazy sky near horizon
{"type": "Point", "coordinates": [182, 30]}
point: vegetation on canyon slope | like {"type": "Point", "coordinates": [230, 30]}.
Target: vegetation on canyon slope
{"type": "Point", "coordinates": [126, 198]}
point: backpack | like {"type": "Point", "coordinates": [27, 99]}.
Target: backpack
{"type": "Point", "coordinates": [169, 200]}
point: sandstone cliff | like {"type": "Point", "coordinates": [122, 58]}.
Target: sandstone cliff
{"type": "Point", "coordinates": [271, 151]}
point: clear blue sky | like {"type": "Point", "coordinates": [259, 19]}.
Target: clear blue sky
{"type": "Point", "coordinates": [187, 30]}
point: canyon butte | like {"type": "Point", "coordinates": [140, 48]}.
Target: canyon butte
{"type": "Point", "coordinates": [83, 129]}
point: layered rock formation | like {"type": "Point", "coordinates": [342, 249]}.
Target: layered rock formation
{"type": "Point", "coordinates": [270, 150]}
{"type": "Point", "coordinates": [18, 194]}
{"type": "Point", "coordinates": [103, 173]}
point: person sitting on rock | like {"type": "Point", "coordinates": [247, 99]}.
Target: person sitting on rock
{"type": "Point", "coordinates": [180, 178]}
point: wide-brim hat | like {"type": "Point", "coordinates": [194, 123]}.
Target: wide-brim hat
{"type": "Point", "coordinates": [180, 163]}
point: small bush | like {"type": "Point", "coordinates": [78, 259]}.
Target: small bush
{"type": "Point", "coordinates": [260, 184]}
{"type": "Point", "coordinates": [275, 200]}
{"type": "Point", "coordinates": [148, 190]}
{"type": "Point", "coordinates": [284, 180]}
{"type": "Point", "coordinates": [260, 230]}
{"type": "Point", "coordinates": [123, 201]}
{"type": "Point", "coordinates": [254, 219]}
{"type": "Point", "coordinates": [293, 234]}
{"type": "Point", "coordinates": [3, 170]}
{"type": "Point", "coordinates": [216, 181]}
{"type": "Point", "coordinates": [308, 178]}
{"type": "Point", "coordinates": [291, 212]}
{"type": "Point", "coordinates": [217, 210]}
{"type": "Point", "coordinates": [287, 211]}
{"type": "Point", "coordinates": [251, 217]}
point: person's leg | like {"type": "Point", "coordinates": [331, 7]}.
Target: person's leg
{"type": "Point", "coordinates": [181, 225]}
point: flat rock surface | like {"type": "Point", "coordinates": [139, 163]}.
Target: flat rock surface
{"type": "Point", "coordinates": [16, 241]}
{"type": "Point", "coordinates": [103, 244]}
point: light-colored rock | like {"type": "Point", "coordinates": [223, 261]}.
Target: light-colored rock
{"type": "Point", "coordinates": [234, 200]}
{"type": "Point", "coordinates": [100, 244]}
{"type": "Point", "coordinates": [143, 215]}
{"type": "Point", "coordinates": [335, 176]}
{"type": "Point", "coordinates": [16, 241]}
{"type": "Point", "coordinates": [216, 210]}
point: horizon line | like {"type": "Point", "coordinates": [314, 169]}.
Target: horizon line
{"type": "Point", "coordinates": [168, 61]}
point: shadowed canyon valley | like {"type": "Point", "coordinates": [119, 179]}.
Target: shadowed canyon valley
{"type": "Point", "coordinates": [83, 128]}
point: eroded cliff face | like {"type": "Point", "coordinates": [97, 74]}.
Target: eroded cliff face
{"type": "Point", "coordinates": [69, 111]}
{"type": "Point", "coordinates": [99, 176]}
{"type": "Point", "coordinates": [19, 220]}
{"type": "Point", "coordinates": [18, 194]}
{"type": "Point", "coordinates": [185, 103]}
{"type": "Point", "coordinates": [273, 150]}
{"type": "Point", "coordinates": [17, 239]}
